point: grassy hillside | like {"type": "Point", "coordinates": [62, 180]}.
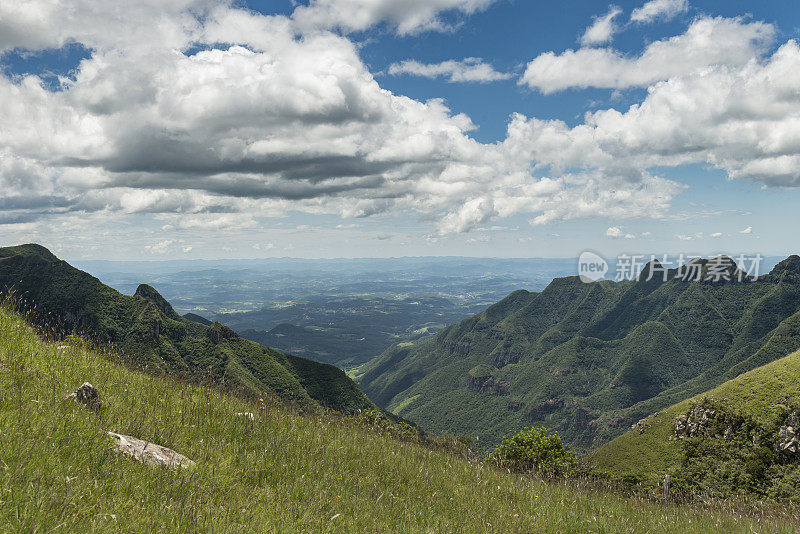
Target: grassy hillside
{"type": "Point", "coordinates": [588, 360]}
{"type": "Point", "coordinates": [146, 329]}
{"type": "Point", "coordinates": [761, 394]}
{"type": "Point", "coordinates": [278, 473]}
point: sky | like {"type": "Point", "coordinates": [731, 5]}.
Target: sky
{"type": "Point", "coordinates": [136, 130]}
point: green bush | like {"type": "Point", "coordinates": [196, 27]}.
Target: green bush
{"type": "Point", "coordinates": [380, 423]}
{"type": "Point", "coordinates": [534, 450]}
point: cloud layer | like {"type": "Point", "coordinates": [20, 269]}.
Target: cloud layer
{"type": "Point", "coordinates": [207, 116]}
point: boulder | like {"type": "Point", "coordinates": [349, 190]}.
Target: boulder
{"type": "Point", "coordinates": [149, 453]}
{"type": "Point", "coordinates": [87, 395]}
{"type": "Point", "coordinates": [694, 422]}
{"type": "Point", "coordinates": [642, 426]}
{"type": "Point", "coordinates": [788, 442]}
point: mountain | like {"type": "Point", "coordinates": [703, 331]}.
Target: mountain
{"type": "Point", "coordinates": [589, 360]}
{"type": "Point", "coordinates": [274, 472]}
{"type": "Point", "coordinates": [150, 334]}
{"type": "Point", "coordinates": [760, 398]}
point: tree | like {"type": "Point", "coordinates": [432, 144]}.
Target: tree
{"type": "Point", "coordinates": [534, 450]}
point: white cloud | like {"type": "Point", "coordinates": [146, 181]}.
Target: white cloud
{"type": "Point", "coordinates": [466, 70]}
{"type": "Point", "coordinates": [716, 235]}
{"type": "Point", "coordinates": [615, 232]}
{"type": "Point", "coordinates": [602, 29]}
{"type": "Point", "coordinates": [659, 9]}
{"type": "Point", "coordinates": [708, 43]}
{"type": "Point", "coordinates": [218, 140]}
{"type": "Point", "coordinates": [742, 117]}
{"type": "Point", "coordinates": [746, 231]}
{"type": "Point", "coordinates": [41, 24]}
{"type": "Point", "coordinates": [162, 247]}
{"type": "Point", "coordinates": [405, 16]}
{"type": "Point", "coordinates": [478, 239]}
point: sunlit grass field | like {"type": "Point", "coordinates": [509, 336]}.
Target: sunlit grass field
{"type": "Point", "coordinates": [280, 472]}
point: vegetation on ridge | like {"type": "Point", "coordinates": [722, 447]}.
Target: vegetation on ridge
{"type": "Point", "coordinates": [151, 335]}
{"type": "Point", "coordinates": [753, 405]}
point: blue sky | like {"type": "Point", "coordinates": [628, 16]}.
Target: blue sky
{"type": "Point", "coordinates": [274, 129]}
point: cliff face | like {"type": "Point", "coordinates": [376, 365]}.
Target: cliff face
{"type": "Point", "coordinates": [486, 384]}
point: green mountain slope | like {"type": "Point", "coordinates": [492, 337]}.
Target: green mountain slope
{"type": "Point", "coordinates": [588, 360]}
{"type": "Point", "coordinates": [761, 394]}
{"type": "Point", "coordinates": [276, 472]}
{"type": "Point", "coordinates": [146, 329]}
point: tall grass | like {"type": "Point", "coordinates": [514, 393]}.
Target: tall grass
{"type": "Point", "coordinates": [278, 472]}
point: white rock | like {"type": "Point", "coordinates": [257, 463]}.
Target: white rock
{"type": "Point", "coordinates": [149, 453]}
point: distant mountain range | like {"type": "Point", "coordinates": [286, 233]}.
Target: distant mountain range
{"type": "Point", "coordinates": [589, 360]}
{"type": "Point", "coordinates": [151, 335]}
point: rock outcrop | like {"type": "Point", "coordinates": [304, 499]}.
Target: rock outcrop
{"type": "Point", "coordinates": [693, 422]}
{"type": "Point", "coordinates": [788, 442]}
{"type": "Point", "coordinates": [641, 425]}
{"type": "Point", "coordinates": [486, 384]}
{"type": "Point", "coordinates": [544, 408]}
{"type": "Point", "coordinates": [218, 331]}
{"type": "Point", "coordinates": [149, 453]}
{"type": "Point", "coordinates": [87, 395]}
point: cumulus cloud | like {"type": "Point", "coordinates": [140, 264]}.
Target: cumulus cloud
{"type": "Point", "coordinates": [743, 119]}
{"type": "Point", "coordinates": [602, 29]}
{"type": "Point", "coordinates": [659, 9]}
{"type": "Point", "coordinates": [404, 16]}
{"type": "Point", "coordinates": [466, 70]}
{"type": "Point", "coordinates": [615, 232]}
{"type": "Point", "coordinates": [709, 42]}
{"type": "Point", "coordinates": [41, 24]}
{"type": "Point", "coordinates": [747, 231]}
{"type": "Point", "coordinates": [202, 136]}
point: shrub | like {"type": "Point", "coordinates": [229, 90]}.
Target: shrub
{"type": "Point", "coordinates": [534, 450]}
{"type": "Point", "coordinates": [380, 423]}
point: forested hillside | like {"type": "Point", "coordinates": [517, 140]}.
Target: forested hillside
{"type": "Point", "coordinates": [589, 360]}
